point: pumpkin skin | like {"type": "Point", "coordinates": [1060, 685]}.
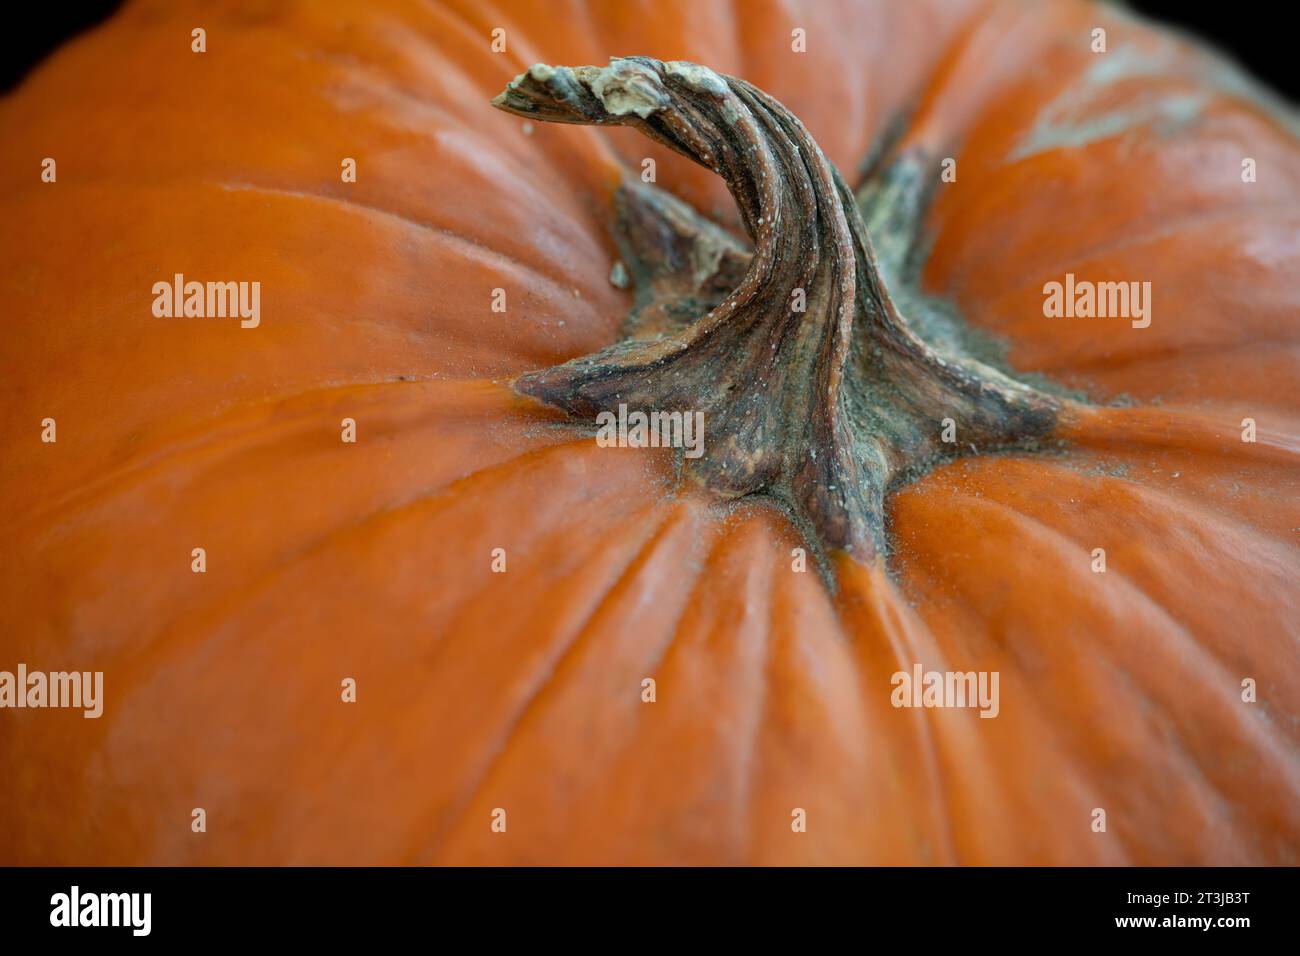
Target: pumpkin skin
{"type": "Point", "coordinates": [522, 690]}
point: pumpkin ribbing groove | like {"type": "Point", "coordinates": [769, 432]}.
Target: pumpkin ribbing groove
{"type": "Point", "coordinates": [553, 665]}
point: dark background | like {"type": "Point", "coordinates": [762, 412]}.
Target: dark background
{"type": "Point", "coordinates": [1251, 31]}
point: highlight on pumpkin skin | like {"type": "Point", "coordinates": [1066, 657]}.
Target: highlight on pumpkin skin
{"type": "Point", "coordinates": [817, 389]}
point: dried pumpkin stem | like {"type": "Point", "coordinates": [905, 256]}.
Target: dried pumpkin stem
{"type": "Point", "coordinates": [816, 391]}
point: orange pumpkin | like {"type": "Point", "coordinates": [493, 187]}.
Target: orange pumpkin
{"type": "Point", "coordinates": [772, 736]}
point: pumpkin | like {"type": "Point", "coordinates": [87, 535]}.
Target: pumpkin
{"type": "Point", "coordinates": [472, 634]}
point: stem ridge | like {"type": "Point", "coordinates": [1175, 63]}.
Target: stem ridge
{"type": "Point", "coordinates": [815, 390]}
